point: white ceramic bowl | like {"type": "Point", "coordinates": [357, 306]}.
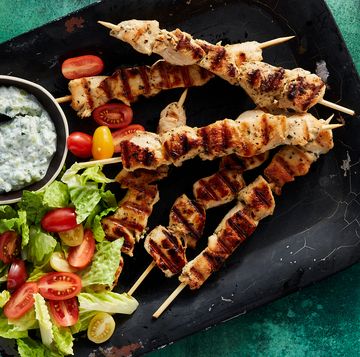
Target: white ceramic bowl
{"type": "Point", "coordinates": [62, 130]}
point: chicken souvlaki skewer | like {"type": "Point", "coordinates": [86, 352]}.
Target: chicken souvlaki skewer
{"type": "Point", "coordinates": [127, 84]}
{"type": "Point", "coordinates": [255, 202]}
{"type": "Point", "coordinates": [268, 86]}
{"type": "Point", "coordinates": [167, 245]}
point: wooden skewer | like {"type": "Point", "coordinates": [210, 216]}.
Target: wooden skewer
{"type": "Point", "coordinates": [169, 300]}
{"type": "Point", "coordinates": [64, 99]}
{"type": "Point", "coordinates": [331, 126]}
{"type": "Point", "coordinates": [328, 120]}
{"type": "Point", "coordinates": [142, 277]}
{"type": "Point", "coordinates": [338, 107]}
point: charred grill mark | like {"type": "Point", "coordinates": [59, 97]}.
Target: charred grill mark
{"type": "Point", "coordinates": [265, 130]}
{"type": "Point", "coordinates": [144, 74]}
{"type": "Point", "coordinates": [89, 98]}
{"type": "Point", "coordinates": [273, 81]}
{"type": "Point", "coordinates": [185, 76]}
{"type": "Point", "coordinates": [254, 78]}
{"type": "Point", "coordinates": [184, 43]}
{"type": "Point", "coordinates": [285, 165]}
{"type": "Point", "coordinates": [227, 182]}
{"type": "Point", "coordinates": [216, 60]}
{"type": "Point", "coordinates": [114, 229]}
{"type": "Point", "coordinates": [195, 275]}
{"type": "Point", "coordinates": [263, 195]}
{"type": "Point", "coordinates": [125, 155]}
{"type": "Point", "coordinates": [240, 223]}
{"type": "Point", "coordinates": [315, 90]}
{"type": "Point", "coordinates": [205, 192]}
{"type": "Point", "coordinates": [185, 223]}
{"type": "Point", "coordinates": [204, 138]}
{"type": "Point", "coordinates": [123, 75]}
{"type": "Point", "coordinates": [165, 83]}
{"type": "Point", "coordinates": [231, 70]}
{"type": "Point", "coordinates": [138, 208]}
{"type": "Point", "coordinates": [104, 85]}
{"type": "Point", "coordinates": [226, 135]}
{"type": "Point", "coordinates": [215, 261]}
{"type": "Point", "coordinates": [233, 160]}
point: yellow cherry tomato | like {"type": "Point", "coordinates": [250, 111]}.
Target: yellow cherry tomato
{"type": "Point", "coordinates": [101, 327]}
{"type": "Point", "coordinates": [60, 264]}
{"type": "Point", "coordinates": [102, 146]}
{"type": "Point", "coordinates": [73, 237]}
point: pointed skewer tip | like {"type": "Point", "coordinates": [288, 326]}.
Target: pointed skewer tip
{"type": "Point", "coordinates": [331, 126]}
{"type": "Point", "coordinates": [275, 41]}
{"type": "Point", "coordinates": [109, 25]}
{"type": "Point", "coordinates": [338, 107]}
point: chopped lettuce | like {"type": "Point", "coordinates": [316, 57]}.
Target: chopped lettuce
{"type": "Point", "coordinates": [84, 321]}
{"type": "Point", "coordinates": [105, 262]}
{"type": "Point", "coordinates": [56, 195]}
{"type": "Point", "coordinates": [43, 317]}
{"type": "Point", "coordinates": [40, 246]}
{"type": "Point", "coordinates": [26, 322]}
{"type": "Point", "coordinates": [4, 297]}
{"type": "Point", "coordinates": [28, 347]}
{"type": "Point", "coordinates": [10, 331]}
{"type": "Point", "coordinates": [107, 301]}
{"type": "Point", "coordinates": [32, 204]}
{"type": "Point", "coordinates": [63, 339]}
{"type": "Point", "coordinates": [17, 222]}
{"type": "Point", "coordinates": [7, 212]}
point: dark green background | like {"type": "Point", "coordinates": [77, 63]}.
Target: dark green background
{"type": "Point", "coordinates": [322, 320]}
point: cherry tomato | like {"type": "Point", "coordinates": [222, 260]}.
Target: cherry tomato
{"type": "Point", "coordinates": [59, 286]}
{"type": "Point", "coordinates": [17, 275]}
{"type": "Point", "coordinates": [79, 257]}
{"type": "Point", "coordinates": [113, 115]}
{"type": "Point", "coordinates": [21, 301]}
{"type": "Point", "coordinates": [126, 133]}
{"type": "Point", "coordinates": [65, 312]}
{"type": "Point", "coordinates": [80, 144]}
{"type": "Point", "coordinates": [103, 147]}
{"type": "Point", "coordinates": [82, 66]}
{"type": "Point", "coordinates": [73, 237]}
{"type": "Point", "coordinates": [59, 220]}
{"type": "Point", "coordinates": [60, 264]}
{"type": "Point", "coordinates": [101, 327]}
{"type": "Point", "coordinates": [9, 246]}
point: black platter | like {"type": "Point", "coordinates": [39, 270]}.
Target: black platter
{"type": "Point", "coordinates": [315, 230]}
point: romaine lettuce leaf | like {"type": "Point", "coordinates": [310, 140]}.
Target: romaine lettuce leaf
{"type": "Point", "coordinates": [18, 224]}
{"type": "Point", "coordinates": [105, 262]}
{"type": "Point", "coordinates": [10, 331]}
{"type": "Point", "coordinates": [107, 301]}
{"type": "Point", "coordinates": [93, 222]}
{"type": "Point", "coordinates": [56, 195]}
{"type": "Point", "coordinates": [43, 317]}
{"type": "Point", "coordinates": [26, 322]}
{"type": "Point", "coordinates": [32, 203]}
{"type": "Point", "coordinates": [7, 212]}
{"type": "Point", "coordinates": [4, 297]}
{"type": "Point", "coordinates": [63, 340]}
{"type": "Point", "coordinates": [28, 347]}
{"type": "Point", "coordinates": [40, 246]}
{"type": "Point", "coordinates": [83, 322]}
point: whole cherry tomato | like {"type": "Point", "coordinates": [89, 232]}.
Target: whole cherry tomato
{"type": "Point", "coordinates": [17, 275]}
{"type": "Point", "coordinates": [113, 115]}
{"type": "Point", "coordinates": [59, 220]}
{"type": "Point", "coordinates": [82, 66]}
{"type": "Point", "coordinates": [80, 144]}
{"type": "Point", "coordinates": [102, 147]}
{"type": "Point", "coordinates": [9, 246]}
{"type": "Point", "coordinates": [126, 133]}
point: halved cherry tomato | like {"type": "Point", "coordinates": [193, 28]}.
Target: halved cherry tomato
{"type": "Point", "coordinates": [65, 312]}
{"type": "Point", "coordinates": [113, 115]}
{"type": "Point", "coordinates": [103, 147]}
{"type": "Point", "coordinates": [21, 301]}
{"type": "Point", "coordinates": [73, 237]}
{"type": "Point", "coordinates": [59, 220]}
{"type": "Point", "coordinates": [82, 66]}
{"type": "Point", "coordinates": [9, 246]}
{"type": "Point", "coordinates": [101, 327]}
{"type": "Point", "coordinates": [59, 286]}
{"type": "Point", "coordinates": [60, 264]}
{"type": "Point", "coordinates": [79, 257]}
{"type": "Point", "coordinates": [126, 133]}
{"type": "Point", "coordinates": [80, 144]}
{"type": "Point", "coordinates": [17, 275]}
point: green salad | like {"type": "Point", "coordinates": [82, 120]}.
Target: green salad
{"type": "Point", "coordinates": [56, 268]}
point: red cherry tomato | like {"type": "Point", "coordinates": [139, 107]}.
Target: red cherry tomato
{"type": "Point", "coordinates": [82, 66]}
{"type": "Point", "coordinates": [65, 312]}
{"type": "Point", "coordinates": [59, 220]}
{"type": "Point", "coordinates": [59, 286]}
{"type": "Point", "coordinates": [126, 133]}
{"type": "Point", "coordinates": [79, 257]}
{"type": "Point", "coordinates": [9, 246]}
{"type": "Point", "coordinates": [21, 301]}
{"type": "Point", "coordinates": [103, 147]}
{"type": "Point", "coordinates": [80, 144]}
{"type": "Point", "coordinates": [17, 275]}
{"type": "Point", "coordinates": [113, 115]}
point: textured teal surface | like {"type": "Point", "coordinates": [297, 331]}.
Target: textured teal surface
{"type": "Point", "coordinates": [322, 320]}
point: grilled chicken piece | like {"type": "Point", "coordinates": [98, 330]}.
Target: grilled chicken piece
{"type": "Point", "coordinates": [141, 177]}
{"type": "Point", "coordinates": [278, 88]}
{"type": "Point", "coordinates": [257, 203]}
{"type": "Point", "coordinates": [127, 84]}
{"type": "Point", "coordinates": [243, 163]}
{"type": "Point", "coordinates": [187, 220]}
{"type": "Point", "coordinates": [130, 219]}
{"type": "Point", "coordinates": [219, 188]}
{"type": "Point", "coordinates": [173, 115]}
{"type": "Point", "coordinates": [292, 161]}
{"type": "Point", "coordinates": [167, 250]}
{"type": "Point", "coordinates": [254, 133]}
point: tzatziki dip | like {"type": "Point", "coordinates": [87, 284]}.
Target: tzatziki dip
{"type": "Point", "coordinates": [27, 142]}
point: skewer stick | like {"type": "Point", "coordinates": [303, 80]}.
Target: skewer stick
{"type": "Point", "coordinates": [112, 160]}
{"type": "Point", "coordinates": [169, 300]}
{"type": "Point", "coordinates": [338, 107]}
{"type": "Point", "coordinates": [274, 42]}
{"type": "Point", "coordinates": [328, 120]}
{"type": "Point", "coordinates": [142, 277]}
{"type": "Point", "coordinates": [109, 25]}
{"type": "Point", "coordinates": [331, 126]}
{"type": "Point", "coordinates": [64, 99]}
